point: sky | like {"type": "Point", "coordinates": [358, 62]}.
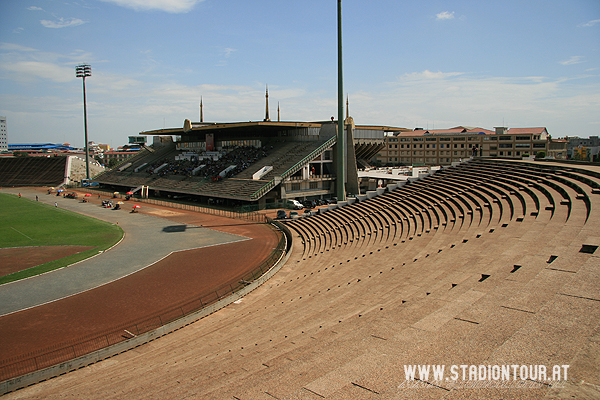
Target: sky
{"type": "Point", "coordinates": [429, 64]}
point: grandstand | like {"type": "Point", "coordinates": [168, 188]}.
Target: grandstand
{"type": "Point", "coordinates": [32, 171]}
{"type": "Point", "coordinates": [491, 262]}
{"type": "Point", "coordinates": [250, 163]}
{"type": "Point", "coordinates": [238, 163]}
{"type": "Point", "coordinates": [43, 170]}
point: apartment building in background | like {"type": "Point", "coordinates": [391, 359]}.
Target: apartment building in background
{"type": "Point", "coordinates": [445, 146]}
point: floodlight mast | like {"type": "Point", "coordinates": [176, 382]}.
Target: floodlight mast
{"type": "Point", "coordinates": [83, 71]}
{"type": "Point", "coordinates": [341, 134]}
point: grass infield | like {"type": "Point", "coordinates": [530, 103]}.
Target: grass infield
{"type": "Point", "coordinates": [29, 223]}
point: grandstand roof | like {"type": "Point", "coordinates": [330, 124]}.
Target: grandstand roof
{"type": "Point", "coordinates": [213, 127]}
{"type": "Point", "coordinates": [254, 126]}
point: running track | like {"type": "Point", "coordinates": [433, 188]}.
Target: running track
{"type": "Point", "coordinates": [151, 279]}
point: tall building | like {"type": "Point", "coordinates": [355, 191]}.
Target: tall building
{"type": "Point", "coordinates": [3, 138]}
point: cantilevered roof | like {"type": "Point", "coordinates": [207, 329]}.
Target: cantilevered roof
{"type": "Point", "coordinates": [212, 127]}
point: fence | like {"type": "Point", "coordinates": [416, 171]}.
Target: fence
{"type": "Point", "coordinates": [69, 350]}
{"type": "Point", "coordinates": [240, 213]}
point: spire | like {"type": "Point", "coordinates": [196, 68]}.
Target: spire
{"type": "Point", "coordinates": [201, 111]}
{"type": "Point", "coordinates": [267, 119]}
{"type": "Point", "coordinates": [349, 120]}
{"type": "Point", "coordinates": [278, 120]}
{"type": "Point", "coordinates": [347, 109]}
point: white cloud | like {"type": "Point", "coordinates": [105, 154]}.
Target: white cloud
{"type": "Point", "coordinates": [444, 15]}
{"type": "Point", "coordinates": [25, 64]}
{"type": "Point", "coordinates": [464, 99]}
{"type": "Point", "coordinates": [573, 60]}
{"type": "Point", "coordinates": [228, 51]}
{"type": "Point", "coordinates": [589, 23]}
{"type": "Point", "coordinates": [171, 6]}
{"type": "Point", "coordinates": [34, 8]}
{"type": "Point", "coordinates": [14, 47]}
{"type": "Point", "coordinates": [428, 75]}
{"type": "Point", "coordinates": [62, 23]}
{"type": "Point", "coordinates": [27, 70]}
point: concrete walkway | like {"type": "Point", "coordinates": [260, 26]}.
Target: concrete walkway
{"type": "Point", "coordinates": [147, 239]}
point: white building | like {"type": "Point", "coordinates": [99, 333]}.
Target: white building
{"type": "Point", "coordinates": [3, 138]}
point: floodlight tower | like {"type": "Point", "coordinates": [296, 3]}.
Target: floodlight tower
{"type": "Point", "coordinates": [341, 134]}
{"type": "Point", "coordinates": [83, 71]}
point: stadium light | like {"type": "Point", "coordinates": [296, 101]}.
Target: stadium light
{"type": "Point", "coordinates": [341, 134]}
{"type": "Point", "coordinates": [83, 71]}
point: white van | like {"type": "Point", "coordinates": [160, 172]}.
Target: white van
{"type": "Point", "coordinates": [295, 204]}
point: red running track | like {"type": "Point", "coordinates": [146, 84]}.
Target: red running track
{"type": "Point", "coordinates": [178, 278]}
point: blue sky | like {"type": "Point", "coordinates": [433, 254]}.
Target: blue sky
{"type": "Point", "coordinates": [430, 64]}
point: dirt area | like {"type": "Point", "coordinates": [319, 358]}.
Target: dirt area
{"type": "Point", "coordinates": [17, 259]}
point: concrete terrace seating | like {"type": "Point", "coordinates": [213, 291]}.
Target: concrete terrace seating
{"type": "Point", "coordinates": [32, 171]}
{"type": "Point", "coordinates": [281, 157]}
{"type": "Point", "coordinates": [131, 178]}
{"type": "Point", "coordinates": [457, 268]}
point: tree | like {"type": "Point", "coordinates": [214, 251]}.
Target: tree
{"type": "Point", "coordinates": [112, 162]}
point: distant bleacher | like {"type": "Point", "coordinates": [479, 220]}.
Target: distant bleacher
{"type": "Point", "coordinates": [32, 171]}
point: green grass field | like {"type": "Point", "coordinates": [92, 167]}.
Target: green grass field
{"type": "Point", "coordinates": [28, 223]}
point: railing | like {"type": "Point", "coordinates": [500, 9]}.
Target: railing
{"type": "Point", "coordinates": [69, 350]}
{"type": "Point", "coordinates": [237, 214]}
{"type": "Point", "coordinates": [275, 181]}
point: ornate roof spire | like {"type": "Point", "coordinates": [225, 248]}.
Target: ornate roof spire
{"type": "Point", "coordinates": [347, 109]}
{"type": "Point", "coordinates": [201, 111]}
{"type": "Point", "coordinates": [349, 120]}
{"type": "Point", "coordinates": [278, 119]}
{"type": "Point", "coordinates": [267, 119]}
